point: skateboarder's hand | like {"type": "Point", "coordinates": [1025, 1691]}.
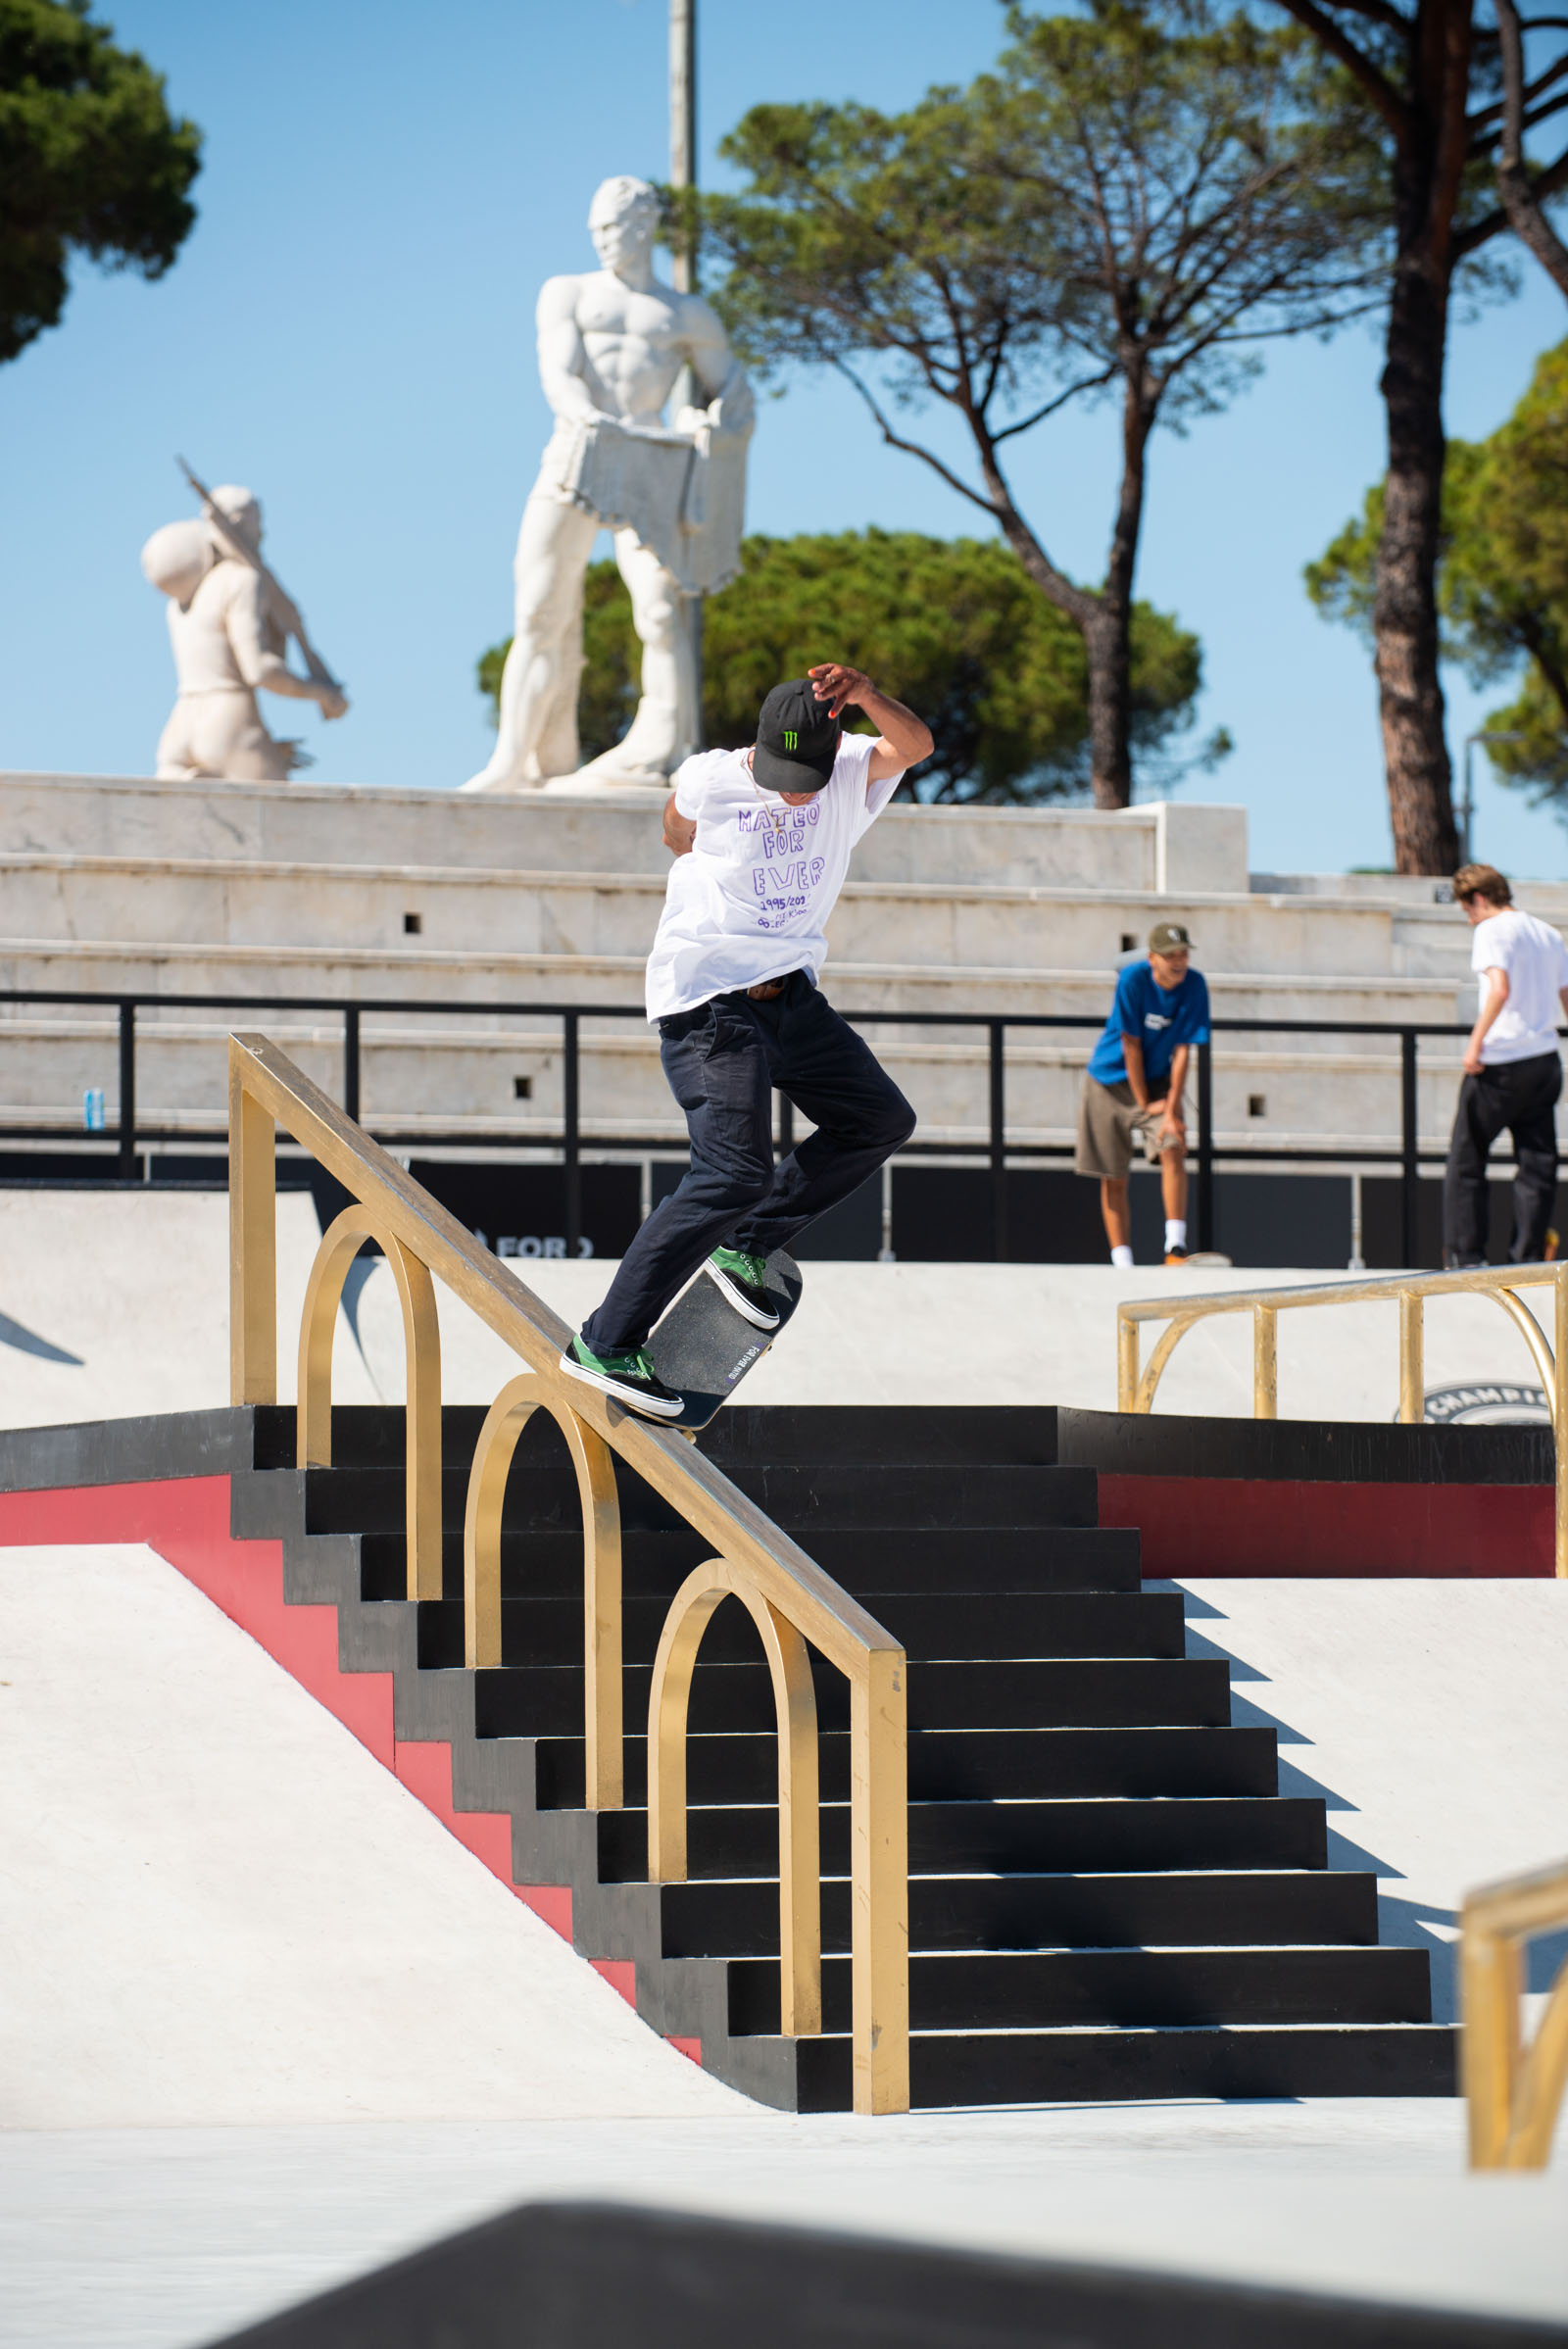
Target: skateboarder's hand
{"type": "Point", "coordinates": [839, 686]}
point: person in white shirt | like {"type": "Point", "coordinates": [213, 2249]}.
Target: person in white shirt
{"type": "Point", "coordinates": [761, 840]}
{"type": "Point", "coordinates": [1512, 1072]}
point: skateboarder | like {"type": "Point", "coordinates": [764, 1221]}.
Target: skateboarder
{"type": "Point", "coordinates": [1133, 1090]}
{"type": "Point", "coordinates": [761, 840]}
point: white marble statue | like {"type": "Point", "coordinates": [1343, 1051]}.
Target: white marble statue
{"type": "Point", "coordinates": [230, 623]}
{"type": "Point", "coordinates": [612, 346]}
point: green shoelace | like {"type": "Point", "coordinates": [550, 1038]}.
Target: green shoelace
{"type": "Point", "coordinates": [750, 1268]}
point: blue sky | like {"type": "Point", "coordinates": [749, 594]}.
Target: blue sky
{"type": "Point", "coordinates": [349, 331]}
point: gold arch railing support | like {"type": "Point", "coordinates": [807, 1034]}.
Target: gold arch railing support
{"type": "Point", "coordinates": [800, 1868]}
{"type": "Point", "coordinates": [341, 1242]}
{"type": "Point", "coordinates": [504, 1424]}
{"type": "Point", "coordinates": [1513, 2092]}
{"type": "Point", "coordinates": [265, 1091]}
{"type": "Point", "coordinates": [1137, 1383]}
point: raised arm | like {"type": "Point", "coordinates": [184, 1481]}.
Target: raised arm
{"type": "Point", "coordinates": [903, 739]}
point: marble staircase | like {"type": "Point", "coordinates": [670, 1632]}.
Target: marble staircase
{"type": "Point", "coordinates": [126, 885]}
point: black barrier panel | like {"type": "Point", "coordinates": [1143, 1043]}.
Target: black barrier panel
{"type": "Point", "coordinates": [43, 1170]}
{"type": "Point", "coordinates": [515, 1211]}
{"type": "Point", "coordinates": [1300, 1220]}
{"type": "Point", "coordinates": [522, 1210]}
{"type": "Point", "coordinates": [850, 1232]}
{"type": "Point", "coordinates": [1379, 1222]}
{"type": "Point", "coordinates": [585, 2276]}
{"type": "Point", "coordinates": [941, 1215]}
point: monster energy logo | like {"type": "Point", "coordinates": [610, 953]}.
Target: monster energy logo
{"type": "Point", "coordinates": [791, 737]}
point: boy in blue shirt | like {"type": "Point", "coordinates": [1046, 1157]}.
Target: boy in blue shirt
{"type": "Point", "coordinates": [1133, 1090]}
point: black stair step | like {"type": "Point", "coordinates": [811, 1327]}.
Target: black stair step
{"type": "Point", "coordinates": [352, 1499]}
{"type": "Point", "coordinates": [1000, 1839]}
{"type": "Point", "coordinates": [543, 1564]}
{"type": "Point", "coordinates": [1171, 1908]}
{"type": "Point", "coordinates": [550, 1631]}
{"type": "Point", "coordinates": [916, 1494]}
{"type": "Point", "coordinates": [525, 1701]}
{"type": "Point", "coordinates": [366, 1435]}
{"type": "Point", "coordinates": [373, 1500]}
{"type": "Point", "coordinates": [1011, 1434]}
{"type": "Point", "coordinates": [1014, 1435]}
{"type": "Point", "coordinates": [1057, 1988]}
{"type": "Point", "coordinates": [953, 1764]}
{"type": "Point", "coordinates": [1089, 2066]}
{"type": "Point", "coordinates": [1029, 1557]}
{"type": "Point", "coordinates": [547, 1563]}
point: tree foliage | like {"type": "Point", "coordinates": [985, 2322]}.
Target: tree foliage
{"type": "Point", "coordinates": [91, 160]}
{"type": "Point", "coordinates": [954, 627]}
{"type": "Point", "coordinates": [1426, 76]}
{"type": "Point", "coordinates": [1503, 576]}
{"type": "Point", "coordinates": [1126, 206]}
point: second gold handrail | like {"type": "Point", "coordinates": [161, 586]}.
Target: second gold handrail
{"type": "Point", "coordinates": [1137, 1383]}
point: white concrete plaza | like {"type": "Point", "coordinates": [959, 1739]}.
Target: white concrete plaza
{"type": "Point", "coordinates": [266, 2023]}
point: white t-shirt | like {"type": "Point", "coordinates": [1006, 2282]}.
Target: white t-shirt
{"type": "Point", "coordinates": [750, 900]}
{"type": "Point", "coordinates": [1536, 960]}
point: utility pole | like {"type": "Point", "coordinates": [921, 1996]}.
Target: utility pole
{"type": "Point", "coordinates": [683, 125]}
{"type": "Point", "coordinates": [683, 175]}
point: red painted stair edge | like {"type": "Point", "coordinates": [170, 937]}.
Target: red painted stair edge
{"type": "Point", "coordinates": [187, 1521]}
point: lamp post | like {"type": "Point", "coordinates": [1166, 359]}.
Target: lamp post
{"type": "Point", "coordinates": [1467, 806]}
{"type": "Point", "coordinates": [683, 273]}
{"type": "Point", "coordinates": [683, 127]}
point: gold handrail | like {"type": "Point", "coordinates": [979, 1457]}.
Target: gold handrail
{"type": "Point", "coordinates": [799, 1864]}
{"type": "Point", "coordinates": [1513, 2092]}
{"type": "Point", "coordinates": [1136, 1385]}
{"type": "Point", "coordinates": [267, 1090]}
{"type": "Point", "coordinates": [505, 1421]}
{"type": "Point", "coordinates": [341, 1242]}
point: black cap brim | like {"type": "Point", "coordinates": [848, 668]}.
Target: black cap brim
{"type": "Point", "coordinates": [775, 772]}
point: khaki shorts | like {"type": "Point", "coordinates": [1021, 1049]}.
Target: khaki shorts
{"type": "Point", "coordinates": [1110, 1129]}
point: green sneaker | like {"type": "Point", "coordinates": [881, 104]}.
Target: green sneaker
{"type": "Point", "coordinates": [629, 1377]}
{"type": "Point", "coordinates": [743, 1280]}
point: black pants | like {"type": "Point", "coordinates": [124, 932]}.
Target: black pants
{"type": "Point", "coordinates": [723, 1061]}
{"type": "Point", "coordinates": [1521, 1095]}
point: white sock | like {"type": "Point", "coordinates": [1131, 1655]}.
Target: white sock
{"type": "Point", "coordinates": [1122, 1258]}
{"type": "Point", "coordinates": [1175, 1231]}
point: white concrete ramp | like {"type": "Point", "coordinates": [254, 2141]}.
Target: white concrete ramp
{"type": "Point", "coordinates": [219, 1910]}
{"type": "Point", "coordinates": [1432, 1716]}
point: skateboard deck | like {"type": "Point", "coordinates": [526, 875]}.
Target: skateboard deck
{"type": "Point", "coordinates": [703, 1349]}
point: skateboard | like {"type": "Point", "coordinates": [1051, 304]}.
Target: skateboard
{"type": "Point", "coordinates": [703, 1349]}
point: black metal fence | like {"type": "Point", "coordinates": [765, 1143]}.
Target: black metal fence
{"type": "Point", "coordinates": [128, 1134]}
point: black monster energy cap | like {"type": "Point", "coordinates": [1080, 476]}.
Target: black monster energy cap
{"type": "Point", "coordinates": [797, 742]}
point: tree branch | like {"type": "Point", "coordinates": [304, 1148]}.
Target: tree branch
{"type": "Point", "coordinates": [913, 448]}
{"type": "Point", "coordinates": [1545, 183]}
{"type": "Point", "coordinates": [1378, 12]}
{"type": "Point", "coordinates": [1378, 88]}
{"type": "Point", "coordinates": [1542, 82]}
{"type": "Point", "coordinates": [1026, 423]}
{"type": "Point", "coordinates": [1520, 201]}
